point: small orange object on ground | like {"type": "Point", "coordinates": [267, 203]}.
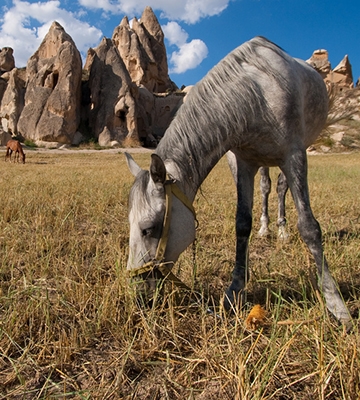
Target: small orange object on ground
{"type": "Point", "coordinates": [256, 318]}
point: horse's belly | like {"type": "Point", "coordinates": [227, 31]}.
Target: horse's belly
{"type": "Point", "coordinates": [263, 150]}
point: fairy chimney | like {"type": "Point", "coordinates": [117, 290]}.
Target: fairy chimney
{"type": "Point", "coordinates": [7, 62]}
{"type": "Point", "coordinates": [12, 101]}
{"type": "Point", "coordinates": [53, 94]}
{"type": "Point", "coordinates": [320, 61]}
{"type": "Point", "coordinates": [3, 86]}
{"type": "Point", "coordinates": [143, 51]}
{"type": "Point", "coordinates": [112, 110]}
{"type": "Point", "coordinates": [340, 76]}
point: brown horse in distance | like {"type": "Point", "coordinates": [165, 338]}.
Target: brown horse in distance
{"type": "Point", "coordinates": [14, 145]}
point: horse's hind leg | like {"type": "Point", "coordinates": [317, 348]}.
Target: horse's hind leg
{"type": "Point", "coordinates": [244, 180]}
{"type": "Point", "coordinates": [265, 188]}
{"type": "Point", "coordinates": [296, 174]}
{"type": "Point", "coordinates": [281, 189]}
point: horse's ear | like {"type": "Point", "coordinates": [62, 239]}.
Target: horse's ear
{"type": "Point", "coordinates": [133, 167]}
{"type": "Point", "coordinates": [157, 169]}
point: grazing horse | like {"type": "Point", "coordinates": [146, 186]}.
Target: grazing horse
{"type": "Point", "coordinates": [14, 145]}
{"type": "Point", "coordinates": [260, 107]}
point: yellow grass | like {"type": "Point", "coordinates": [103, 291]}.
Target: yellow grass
{"type": "Point", "coordinates": [69, 323]}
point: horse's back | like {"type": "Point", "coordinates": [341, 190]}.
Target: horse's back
{"type": "Point", "coordinates": [14, 145]}
{"type": "Point", "coordinates": [290, 87]}
{"type": "Point", "coordinates": [259, 100]}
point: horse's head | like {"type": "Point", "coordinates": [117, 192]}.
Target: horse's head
{"type": "Point", "coordinates": [23, 158]}
{"type": "Point", "coordinates": [162, 224]}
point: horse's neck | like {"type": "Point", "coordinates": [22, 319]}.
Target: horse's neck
{"type": "Point", "coordinates": [188, 163]}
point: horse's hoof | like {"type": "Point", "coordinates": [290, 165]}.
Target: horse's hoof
{"type": "Point", "coordinates": [283, 235]}
{"type": "Point", "coordinates": [263, 233]}
{"type": "Point", "coordinates": [232, 300]}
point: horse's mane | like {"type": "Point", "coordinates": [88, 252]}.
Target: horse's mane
{"type": "Point", "coordinates": [227, 98]}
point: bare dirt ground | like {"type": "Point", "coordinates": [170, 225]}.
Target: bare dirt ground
{"type": "Point", "coordinates": [70, 150]}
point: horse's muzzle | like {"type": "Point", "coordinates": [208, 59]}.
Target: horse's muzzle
{"type": "Point", "coordinates": [148, 285]}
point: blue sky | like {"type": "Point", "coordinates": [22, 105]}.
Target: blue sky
{"type": "Point", "coordinates": [198, 33]}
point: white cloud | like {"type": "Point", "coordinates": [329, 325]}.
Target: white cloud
{"type": "Point", "coordinates": [188, 56]}
{"type": "Point", "coordinates": [175, 34]}
{"type": "Point", "coordinates": [197, 9]}
{"type": "Point", "coordinates": [25, 24]}
{"type": "Point", "coordinates": [105, 5]}
{"type": "Point", "coordinates": [189, 11]}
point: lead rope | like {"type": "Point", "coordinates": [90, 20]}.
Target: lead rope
{"type": "Point", "coordinates": [194, 262]}
{"type": "Point", "coordinates": [160, 251]}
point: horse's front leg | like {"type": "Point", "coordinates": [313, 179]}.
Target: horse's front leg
{"type": "Point", "coordinates": [244, 180]}
{"type": "Point", "coordinates": [296, 174]}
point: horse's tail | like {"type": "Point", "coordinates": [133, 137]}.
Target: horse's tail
{"type": "Point", "coordinates": [342, 104]}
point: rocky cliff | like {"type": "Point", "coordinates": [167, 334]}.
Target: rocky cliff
{"type": "Point", "coordinates": [123, 93]}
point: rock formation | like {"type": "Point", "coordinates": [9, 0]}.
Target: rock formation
{"type": "Point", "coordinates": [3, 86]}
{"type": "Point", "coordinates": [4, 137]}
{"type": "Point", "coordinates": [155, 113]}
{"type": "Point", "coordinates": [341, 76]}
{"type": "Point", "coordinates": [7, 62]}
{"type": "Point", "coordinates": [7, 77]}
{"type": "Point", "coordinates": [52, 99]}
{"type": "Point", "coordinates": [143, 51]}
{"type": "Point", "coordinates": [112, 110]}
{"type": "Point", "coordinates": [12, 101]}
{"type": "Point", "coordinates": [130, 94]}
{"type": "Point", "coordinates": [123, 93]}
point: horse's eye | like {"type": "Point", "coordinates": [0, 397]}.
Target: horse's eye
{"type": "Point", "coordinates": [147, 232]}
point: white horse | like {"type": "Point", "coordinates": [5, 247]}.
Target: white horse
{"type": "Point", "coordinates": [259, 106]}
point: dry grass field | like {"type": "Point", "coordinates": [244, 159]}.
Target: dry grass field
{"type": "Point", "coordinates": [70, 327]}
